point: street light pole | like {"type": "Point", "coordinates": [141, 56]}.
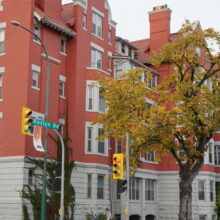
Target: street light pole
{"type": "Point", "coordinates": [43, 199]}
{"type": "Point", "coordinates": [62, 177]}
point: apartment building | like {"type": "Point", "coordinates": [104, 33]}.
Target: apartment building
{"type": "Point", "coordinates": [81, 44]}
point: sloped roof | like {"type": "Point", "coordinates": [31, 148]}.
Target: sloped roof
{"type": "Point", "coordinates": [67, 14]}
{"type": "Point", "coordinates": [143, 48]}
{"type": "Point", "coordinates": [55, 23]}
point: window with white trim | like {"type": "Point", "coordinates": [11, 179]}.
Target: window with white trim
{"type": "Point", "coordinates": [84, 21]}
{"type": "Point", "coordinates": [211, 190]}
{"type": "Point", "coordinates": [89, 185]}
{"type": "Point", "coordinates": [96, 58]}
{"type": "Point", "coordinates": [35, 77]}
{"type": "Point", "coordinates": [217, 154]}
{"type": "Point", "coordinates": [97, 24]}
{"type": "Point", "coordinates": [109, 36]}
{"type": "Point", "coordinates": [150, 157]}
{"type": "Point", "coordinates": [30, 176]}
{"type": "Point", "coordinates": [118, 146]}
{"type": "Point", "coordinates": [134, 188]}
{"type": "Point", "coordinates": [1, 84]}
{"type": "Point", "coordinates": [95, 101]}
{"type": "Point", "coordinates": [100, 186]}
{"type": "Point", "coordinates": [210, 152]}
{"type": "Point", "coordinates": [93, 145]}
{"type": "Point", "coordinates": [62, 86]}
{"type": "Point", "coordinates": [1, 6]}
{"type": "Point", "coordinates": [36, 29]}
{"type": "Point", "coordinates": [201, 189]}
{"type": "Point", "coordinates": [63, 45]}
{"type": "Point", "coordinates": [150, 189]}
{"type": "Point", "coordinates": [2, 40]}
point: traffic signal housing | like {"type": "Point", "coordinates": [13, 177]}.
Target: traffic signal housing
{"type": "Point", "coordinates": [26, 121]}
{"type": "Point", "coordinates": [121, 186]}
{"type": "Point", "coordinates": [118, 166]}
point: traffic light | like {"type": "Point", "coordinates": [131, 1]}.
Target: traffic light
{"type": "Point", "coordinates": [118, 166]}
{"type": "Point", "coordinates": [26, 121]}
{"type": "Point", "coordinates": [121, 186]}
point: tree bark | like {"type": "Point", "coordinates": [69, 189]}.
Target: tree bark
{"type": "Point", "coordinates": [185, 208]}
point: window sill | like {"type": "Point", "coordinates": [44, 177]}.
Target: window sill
{"type": "Point", "coordinates": [62, 53]}
{"type": "Point", "coordinates": [97, 154]}
{"type": "Point", "coordinates": [110, 70]}
{"type": "Point", "coordinates": [109, 43]}
{"type": "Point", "coordinates": [1, 100]}
{"type": "Point", "coordinates": [36, 88]}
{"type": "Point", "coordinates": [62, 97]}
{"type": "Point", "coordinates": [37, 42]}
{"type": "Point", "coordinates": [84, 29]}
{"type": "Point", "coordinates": [2, 54]}
{"type": "Point", "coordinates": [98, 36]}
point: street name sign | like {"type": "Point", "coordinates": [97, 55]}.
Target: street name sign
{"type": "Point", "coordinates": [45, 124]}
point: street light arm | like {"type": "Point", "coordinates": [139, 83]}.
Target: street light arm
{"type": "Point", "coordinates": [16, 23]}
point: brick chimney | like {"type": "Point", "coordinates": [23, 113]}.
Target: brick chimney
{"type": "Point", "coordinates": [159, 26]}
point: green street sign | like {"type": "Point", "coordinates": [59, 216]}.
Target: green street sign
{"type": "Point", "coordinates": [45, 124]}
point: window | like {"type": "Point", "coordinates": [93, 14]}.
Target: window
{"type": "Point", "coordinates": [201, 189]}
{"type": "Point", "coordinates": [217, 154]}
{"type": "Point", "coordinates": [210, 152]}
{"type": "Point", "coordinates": [84, 21]}
{"type": "Point", "coordinates": [89, 186]}
{"type": "Point", "coordinates": [101, 143]}
{"type": "Point", "coordinates": [109, 63]}
{"type": "Point", "coordinates": [36, 29]}
{"type": "Point", "coordinates": [100, 187]}
{"type": "Point", "coordinates": [92, 144]}
{"type": "Point", "coordinates": [90, 104]}
{"type": "Point", "coordinates": [63, 45]}
{"type": "Point", "coordinates": [202, 217]}
{"type": "Point", "coordinates": [35, 77]}
{"type": "Point", "coordinates": [89, 139]}
{"type": "Point", "coordinates": [211, 190]}
{"type": "Point", "coordinates": [97, 24]}
{"type": "Point", "coordinates": [118, 148]}
{"type": "Point", "coordinates": [101, 102]}
{"type": "Point", "coordinates": [1, 6]}
{"type": "Point", "coordinates": [134, 187]}
{"type": "Point", "coordinates": [95, 101]}
{"type": "Point", "coordinates": [150, 157]}
{"type": "Point", "coordinates": [96, 58]}
{"type": "Point", "coordinates": [110, 36]}
{"type": "Point", "coordinates": [2, 40]}
{"type": "Point", "coordinates": [150, 189]}
{"type": "Point", "coordinates": [1, 83]}
{"type": "Point", "coordinates": [30, 177]}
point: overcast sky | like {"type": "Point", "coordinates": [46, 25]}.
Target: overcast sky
{"type": "Point", "coordinates": [132, 15]}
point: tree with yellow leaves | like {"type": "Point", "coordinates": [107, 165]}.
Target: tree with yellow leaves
{"type": "Point", "coordinates": [186, 110]}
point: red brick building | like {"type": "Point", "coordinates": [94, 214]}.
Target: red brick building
{"type": "Point", "coordinates": [81, 43]}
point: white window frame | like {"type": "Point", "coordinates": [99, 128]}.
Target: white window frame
{"type": "Point", "coordinates": [2, 40]}
{"type": "Point", "coordinates": [109, 61]}
{"type": "Point", "coordinates": [118, 144]}
{"type": "Point", "coordinates": [2, 70]}
{"type": "Point", "coordinates": [63, 45]}
{"type": "Point", "coordinates": [63, 83]}
{"type": "Point", "coordinates": [1, 6]}
{"type": "Point", "coordinates": [93, 96]}
{"type": "Point", "coordinates": [216, 154]}
{"type": "Point", "coordinates": [134, 188]}
{"type": "Point", "coordinates": [84, 21]}
{"type": "Point", "coordinates": [97, 23]}
{"type": "Point", "coordinates": [94, 141]}
{"type": "Point", "coordinates": [203, 191]}
{"type": "Point", "coordinates": [212, 190]}
{"type": "Point", "coordinates": [37, 30]}
{"type": "Point", "coordinates": [103, 186]}
{"type": "Point", "coordinates": [149, 157]}
{"type": "Point", "coordinates": [150, 192]}
{"type": "Point", "coordinates": [35, 71]}
{"type": "Point", "coordinates": [96, 53]}
{"type": "Point", "coordinates": [89, 186]}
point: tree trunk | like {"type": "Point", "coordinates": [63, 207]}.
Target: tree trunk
{"type": "Point", "coordinates": [185, 209]}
